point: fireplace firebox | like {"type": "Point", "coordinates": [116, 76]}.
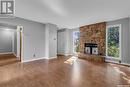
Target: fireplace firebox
{"type": "Point", "coordinates": [91, 48]}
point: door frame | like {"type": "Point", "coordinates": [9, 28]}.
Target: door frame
{"type": "Point", "coordinates": [20, 43]}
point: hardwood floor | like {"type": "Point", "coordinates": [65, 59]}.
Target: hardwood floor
{"type": "Point", "coordinates": [7, 59]}
{"type": "Point", "coordinates": [64, 72]}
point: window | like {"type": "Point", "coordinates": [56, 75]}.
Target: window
{"type": "Point", "coordinates": [113, 42]}
{"type": "Point", "coordinates": [76, 37]}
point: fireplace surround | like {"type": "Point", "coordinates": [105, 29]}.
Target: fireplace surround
{"type": "Point", "coordinates": [92, 42]}
{"type": "Point", "coordinates": [95, 35]}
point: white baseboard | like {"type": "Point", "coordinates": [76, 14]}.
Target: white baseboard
{"type": "Point", "coordinates": [111, 61]}
{"type": "Point", "coordinates": [53, 57]}
{"type": "Point", "coordinates": [60, 54]}
{"type": "Point", "coordinates": [38, 59]}
{"type": "Point", "coordinates": [14, 54]}
{"type": "Point", "coordinates": [68, 54]}
{"type": "Point", "coordinates": [7, 53]}
{"type": "Point", "coordinates": [126, 64]}
{"type": "Point", "coordinates": [23, 61]}
{"type": "Point", "coordinates": [64, 54]}
{"type": "Point", "coordinates": [117, 62]}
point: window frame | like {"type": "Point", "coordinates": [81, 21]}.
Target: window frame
{"type": "Point", "coordinates": [73, 42]}
{"type": "Point", "coordinates": [120, 44]}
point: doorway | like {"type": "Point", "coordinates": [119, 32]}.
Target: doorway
{"type": "Point", "coordinates": [10, 43]}
{"type": "Point", "coordinates": [76, 38]}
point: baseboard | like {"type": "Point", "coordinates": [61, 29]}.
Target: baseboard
{"type": "Point", "coordinates": [6, 53]}
{"type": "Point", "coordinates": [38, 59]}
{"type": "Point", "coordinates": [126, 64]}
{"type": "Point", "coordinates": [115, 62]}
{"type": "Point", "coordinates": [64, 54]}
{"type": "Point", "coordinates": [68, 54]}
{"type": "Point", "coordinates": [111, 61]}
{"type": "Point", "coordinates": [14, 54]}
{"type": "Point", "coordinates": [48, 58]}
{"type": "Point", "coordinates": [60, 54]}
{"type": "Point", "coordinates": [33, 60]}
{"type": "Point", "coordinates": [53, 57]}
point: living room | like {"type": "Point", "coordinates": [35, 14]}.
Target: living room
{"type": "Point", "coordinates": [59, 43]}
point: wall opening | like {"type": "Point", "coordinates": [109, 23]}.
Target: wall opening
{"type": "Point", "coordinates": [10, 42]}
{"type": "Point", "coordinates": [76, 38]}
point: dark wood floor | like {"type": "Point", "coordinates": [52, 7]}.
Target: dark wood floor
{"type": "Point", "coordinates": [8, 59]}
{"type": "Point", "coordinates": [64, 72]}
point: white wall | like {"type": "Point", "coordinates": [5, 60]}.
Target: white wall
{"type": "Point", "coordinates": [14, 42]}
{"type": "Point", "coordinates": [129, 40]}
{"type": "Point", "coordinates": [6, 41]}
{"type": "Point", "coordinates": [67, 44]}
{"type": "Point", "coordinates": [8, 31]}
{"type": "Point", "coordinates": [65, 41]}
{"type": "Point", "coordinates": [71, 38]}
{"type": "Point", "coordinates": [61, 41]}
{"type": "Point", "coordinates": [34, 37]}
{"type": "Point", "coordinates": [51, 41]}
{"type": "Point", "coordinates": [125, 58]}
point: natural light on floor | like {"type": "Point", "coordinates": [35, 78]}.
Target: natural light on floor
{"type": "Point", "coordinates": [125, 76]}
{"type": "Point", "coordinates": [71, 60]}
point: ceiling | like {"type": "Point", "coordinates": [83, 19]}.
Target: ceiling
{"type": "Point", "coordinates": [72, 13]}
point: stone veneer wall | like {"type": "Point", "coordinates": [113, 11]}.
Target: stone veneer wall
{"type": "Point", "coordinates": [95, 33]}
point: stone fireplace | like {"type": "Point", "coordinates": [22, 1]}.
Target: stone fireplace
{"type": "Point", "coordinates": [93, 42]}
{"type": "Point", "coordinates": [93, 39]}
